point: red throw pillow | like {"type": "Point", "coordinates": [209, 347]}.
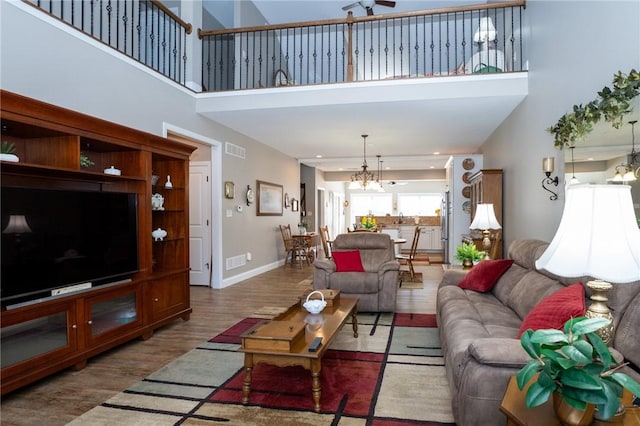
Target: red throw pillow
{"type": "Point", "coordinates": [554, 310]}
{"type": "Point", "coordinates": [347, 261]}
{"type": "Point", "coordinates": [485, 275]}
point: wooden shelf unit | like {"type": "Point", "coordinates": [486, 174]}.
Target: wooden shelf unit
{"type": "Point", "coordinates": [486, 188]}
{"type": "Point", "coordinates": [45, 337]}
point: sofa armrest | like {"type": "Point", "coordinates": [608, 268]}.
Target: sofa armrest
{"type": "Point", "coordinates": [322, 272]}
{"type": "Point", "coordinates": [452, 277]}
{"type": "Point", "coordinates": [326, 265]}
{"type": "Point", "coordinates": [498, 352]}
{"type": "Point", "coordinates": [389, 265]}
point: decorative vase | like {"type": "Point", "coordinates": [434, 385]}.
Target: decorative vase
{"type": "Point", "coordinates": [467, 264]}
{"type": "Point", "coordinates": [569, 415]}
{"type": "Point", "coordinates": [9, 157]}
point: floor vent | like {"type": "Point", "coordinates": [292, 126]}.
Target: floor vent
{"type": "Point", "coordinates": [236, 261]}
{"type": "Point", "coordinates": [235, 150]}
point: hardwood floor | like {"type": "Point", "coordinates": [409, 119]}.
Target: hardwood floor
{"type": "Point", "coordinates": [62, 397]}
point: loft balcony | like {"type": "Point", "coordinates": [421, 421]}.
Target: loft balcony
{"type": "Point", "coordinates": [478, 39]}
{"type": "Point", "coordinates": [465, 40]}
{"type": "Point", "coordinates": [453, 74]}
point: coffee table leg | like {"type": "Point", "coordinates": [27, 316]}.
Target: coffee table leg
{"type": "Point", "coordinates": [354, 321]}
{"type": "Point", "coordinates": [315, 383]}
{"type": "Point", "coordinates": [246, 384]}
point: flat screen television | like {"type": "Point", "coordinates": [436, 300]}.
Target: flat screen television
{"type": "Point", "coordinates": [55, 241]}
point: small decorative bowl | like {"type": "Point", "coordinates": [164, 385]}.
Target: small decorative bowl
{"type": "Point", "coordinates": [315, 306]}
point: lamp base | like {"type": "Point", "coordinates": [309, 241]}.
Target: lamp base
{"type": "Point", "coordinates": [486, 243]}
{"type": "Point", "coordinates": [599, 308]}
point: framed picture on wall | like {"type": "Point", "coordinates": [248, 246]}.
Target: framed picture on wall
{"type": "Point", "coordinates": [270, 199]}
{"type": "Point", "coordinates": [229, 189]}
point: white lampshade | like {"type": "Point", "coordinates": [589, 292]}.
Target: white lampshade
{"type": "Point", "coordinates": [598, 236]}
{"type": "Point", "coordinates": [485, 218]}
{"type": "Point", "coordinates": [354, 184]}
{"type": "Point", "coordinates": [629, 176]}
{"type": "Point", "coordinates": [485, 31]}
{"type": "Point", "coordinates": [17, 225]}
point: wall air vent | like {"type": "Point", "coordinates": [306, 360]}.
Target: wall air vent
{"type": "Point", "coordinates": [235, 150]}
{"type": "Point", "coordinates": [236, 261]}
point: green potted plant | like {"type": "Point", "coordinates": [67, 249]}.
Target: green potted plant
{"type": "Point", "coordinates": [576, 367]}
{"type": "Point", "coordinates": [612, 104]}
{"type": "Point", "coordinates": [85, 161]}
{"type": "Point", "coordinates": [468, 254]}
{"type": "Point", "coordinates": [8, 152]}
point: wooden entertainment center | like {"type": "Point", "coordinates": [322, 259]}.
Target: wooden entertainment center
{"type": "Point", "coordinates": [42, 338]}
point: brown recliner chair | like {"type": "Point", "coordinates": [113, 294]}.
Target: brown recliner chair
{"type": "Point", "coordinates": [377, 286]}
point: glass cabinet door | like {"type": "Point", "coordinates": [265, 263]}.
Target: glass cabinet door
{"type": "Point", "coordinates": [114, 311]}
{"type": "Point", "coordinates": [49, 332]}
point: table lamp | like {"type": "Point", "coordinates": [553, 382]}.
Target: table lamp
{"type": "Point", "coordinates": [485, 219]}
{"type": "Point", "coordinates": [598, 237]}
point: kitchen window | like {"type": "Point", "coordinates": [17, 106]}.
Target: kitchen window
{"type": "Point", "coordinates": [419, 204]}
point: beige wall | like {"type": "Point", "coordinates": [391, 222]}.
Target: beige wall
{"type": "Point", "coordinates": [43, 61]}
{"type": "Point", "coordinates": [574, 49]}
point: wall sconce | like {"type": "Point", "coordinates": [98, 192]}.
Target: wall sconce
{"type": "Point", "coordinates": [547, 168]}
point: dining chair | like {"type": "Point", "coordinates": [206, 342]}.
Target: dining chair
{"type": "Point", "coordinates": [412, 253]}
{"type": "Point", "coordinates": [326, 241]}
{"type": "Point", "coordinates": [295, 252]}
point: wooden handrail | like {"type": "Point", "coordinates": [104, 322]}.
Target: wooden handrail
{"type": "Point", "coordinates": [187, 27]}
{"type": "Point", "coordinates": [350, 19]}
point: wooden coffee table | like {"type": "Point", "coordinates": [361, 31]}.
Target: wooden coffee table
{"type": "Point", "coordinates": [284, 341]}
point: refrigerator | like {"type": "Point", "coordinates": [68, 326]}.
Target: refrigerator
{"type": "Point", "coordinates": [445, 211]}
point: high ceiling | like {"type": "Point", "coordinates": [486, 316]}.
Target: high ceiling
{"type": "Point", "coordinates": [407, 121]}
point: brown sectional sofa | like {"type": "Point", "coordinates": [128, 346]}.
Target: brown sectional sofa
{"type": "Point", "coordinates": [478, 331]}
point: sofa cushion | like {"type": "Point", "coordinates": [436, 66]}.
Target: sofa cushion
{"type": "Point", "coordinates": [485, 275]}
{"type": "Point", "coordinates": [531, 289]}
{"type": "Point", "coordinates": [355, 282]}
{"type": "Point", "coordinates": [553, 311]}
{"type": "Point", "coordinates": [348, 261]}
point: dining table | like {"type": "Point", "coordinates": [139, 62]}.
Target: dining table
{"type": "Point", "coordinates": [310, 242]}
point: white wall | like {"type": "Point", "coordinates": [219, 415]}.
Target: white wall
{"type": "Point", "coordinates": [574, 49]}
{"type": "Point", "coordinates": [49, 62]}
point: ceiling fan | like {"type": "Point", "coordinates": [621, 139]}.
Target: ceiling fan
{"type": "Point", "coordinates": [368, 5]}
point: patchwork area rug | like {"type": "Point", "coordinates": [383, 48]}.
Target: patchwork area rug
{"type": "Point", "coordinates": [391, 375]}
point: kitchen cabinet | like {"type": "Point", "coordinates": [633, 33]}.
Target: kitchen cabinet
{"type": "Point", "coordinates": [430, 238]}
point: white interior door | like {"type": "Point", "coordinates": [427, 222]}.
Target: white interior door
{"type": "Point", "coordinates": [200, 223]}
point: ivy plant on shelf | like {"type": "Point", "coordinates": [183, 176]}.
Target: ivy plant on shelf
{"type": "Point", "coordinates": [612, 104]}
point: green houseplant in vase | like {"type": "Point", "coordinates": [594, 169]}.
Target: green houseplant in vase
{"type": "Point", "coordinates": [468, 254]}
{"type": "Point", "coordinates": [577, 368]}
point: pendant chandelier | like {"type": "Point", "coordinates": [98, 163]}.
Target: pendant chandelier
{"type": "Point", "coordinates": [364, 178]}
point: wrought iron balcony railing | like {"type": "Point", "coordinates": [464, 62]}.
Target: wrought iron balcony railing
{"type": "Point", "coordinates": [144, 30]}
{"type": "Point", "coordinates": [452, 41]}
{"type": "Point", "coordinates": [465, 40]}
